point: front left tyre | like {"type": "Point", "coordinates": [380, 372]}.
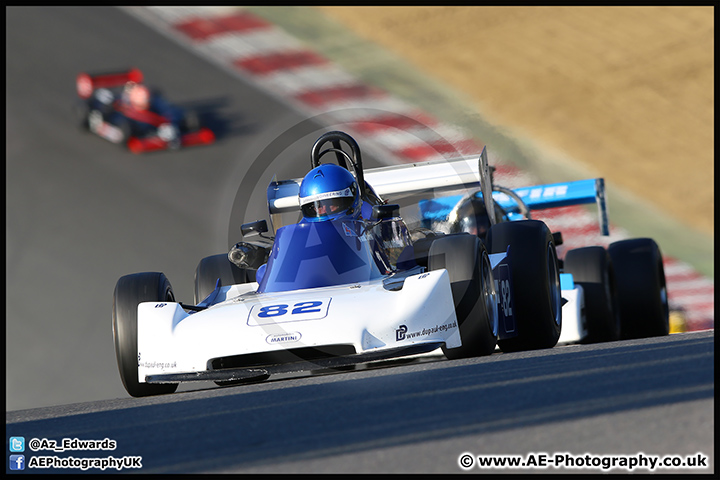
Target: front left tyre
{"type": "Point", "coordinates": [473, 289]}
{"type": "Point", "coordinates": [130, 291]}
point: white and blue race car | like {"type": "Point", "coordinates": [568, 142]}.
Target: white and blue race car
{"type": "Point", "coordinates": [612, 293]}
{"type": "Point", "coordinates": [344, 288]}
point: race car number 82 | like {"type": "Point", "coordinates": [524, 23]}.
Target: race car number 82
{"type": "Point", "coordinates": [288, 312]}
{"type": "Point", "coordinates": [282, 309]}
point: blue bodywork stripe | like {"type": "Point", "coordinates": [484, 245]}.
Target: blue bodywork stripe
{"type": "Point", "coordinates": [566, 281]}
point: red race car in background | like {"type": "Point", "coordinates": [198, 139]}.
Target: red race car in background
{"type": "Point", "coordinates": [118, 107]}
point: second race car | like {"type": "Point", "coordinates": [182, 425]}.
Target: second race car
{"type": "Point", "coordinates": [118, 107]}
{"type": "Point", "coordinates": [618, 292]}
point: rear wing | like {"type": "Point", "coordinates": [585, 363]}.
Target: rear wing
{"type": "Point", "coordinates": [560, 195]}
{"type": "Point", "coordinates": [86, 83]}
{"type": "Point", "coordinates": [523, 200]}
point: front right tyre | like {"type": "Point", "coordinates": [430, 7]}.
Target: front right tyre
{"type": "Point", "coordinates": [130, 291]}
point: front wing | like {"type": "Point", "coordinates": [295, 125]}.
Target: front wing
{"type": "Point", "coordinates": [203, 136]}
{"type": "Point", "coordinates": [249, 373]}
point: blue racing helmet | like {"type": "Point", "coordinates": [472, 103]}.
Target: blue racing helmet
{"type": "Point", "coordinates": [328, 192]}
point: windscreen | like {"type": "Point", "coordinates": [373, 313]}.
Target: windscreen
{"type": "Point", "coordinates": [322, 254]}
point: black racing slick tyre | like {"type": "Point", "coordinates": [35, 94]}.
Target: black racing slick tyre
{"type": "Point", "coordinates": [215, 267]}
{"type": "Point", "coordinates": [190, 122]}
{"type": "Point", "coordinates": [535, 283]}
{"type": "Point", "coordinates": [592, 269]}
{"type": "Point", "coordinates": [642, 292]}
{"type": "Point", "coordinates": [130, 291]}
{"type": "Point", "coordinates": [466, 260]}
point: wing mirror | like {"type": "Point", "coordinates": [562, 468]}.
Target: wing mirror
{"type": "Point", "coordinates": [254, 228]}
{"type": "Point", "coordinates": [382, 212]}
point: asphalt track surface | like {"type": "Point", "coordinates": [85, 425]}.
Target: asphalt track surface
{"type": "Point", "coordinates": [648, 398]}
{"type": "Point", "coordinates": [82, 212]}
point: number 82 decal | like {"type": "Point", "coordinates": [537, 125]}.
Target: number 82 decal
{"type": "Point", "coordinates": [262, 314]}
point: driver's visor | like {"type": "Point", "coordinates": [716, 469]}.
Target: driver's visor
{"type": "Point", "coordinates": [323, 208]}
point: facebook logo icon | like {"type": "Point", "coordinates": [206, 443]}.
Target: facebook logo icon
{"type": "Point", "coordinates": [17, 462]}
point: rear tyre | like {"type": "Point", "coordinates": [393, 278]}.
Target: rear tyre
{"type": "Point", "coordinates": [190, 122]}
{"type": "Point", "coordinates": [535, 286]}
{"type": "Point", "coordinates": [592, 269]}
{"type": "Point", "coordinates": [131, 290]}
{"type": "Point", "coordinates": [218, 266]}
{"type": "Point", "coordinates": [642, 292]}
{"type": "Point", "coordinates": [473, 289]}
